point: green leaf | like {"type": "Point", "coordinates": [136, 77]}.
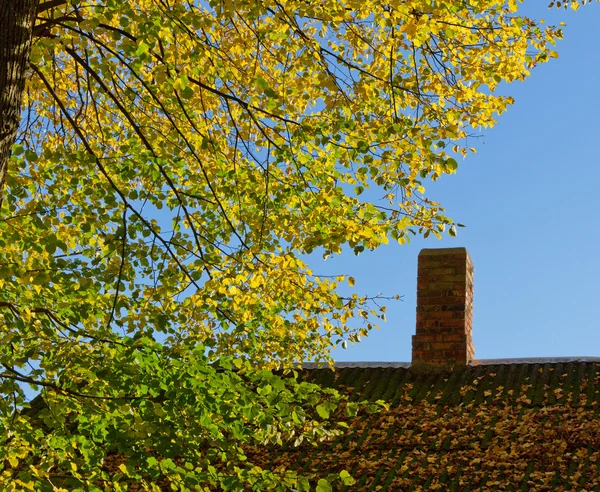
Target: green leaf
{"type": "Point", "coordinates": [303, 484]}
{"type": "Point", "coordinates": [142, 48]}
{"type": "Point", "coordinates": [31, 156]}
{"type": "Point", "coordinates": [17, 149]}
{"type": "Point", "coordinates": [451, 164]}
{"type": "Point", "coordinates": [272, 104]}
{"type": "Point", "coordinates": [347, 478]}
{"type": "Point", "coordinates": [295, 417]}
{"type": "Point", "coordinates": [261, 82]}
{"type": "Point", "coordinates": [264, 390]}
{"type": "Point", "coordinates": [323, 486]}
{"type": "Point", "coordinates": [323, 411]}
{"type": "Point", "coordinates": [270, 93]}
{"type": "Point", "coordinates": [362, 146]}
{"type": "Point", "coordinates": [50, 248]}
{"type": "Point", "coordinates": [187, 92]}
{"type": "Point", "coordinates": [351, 409]}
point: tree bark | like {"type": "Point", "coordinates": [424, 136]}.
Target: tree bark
{"type": "Point", "coordinates": [16, 26]}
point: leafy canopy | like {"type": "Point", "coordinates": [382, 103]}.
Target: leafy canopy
{"type": "Point", "coordinates": [175, 163]}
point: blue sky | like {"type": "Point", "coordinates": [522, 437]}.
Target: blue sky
{"type": "Point", "coordinates": [531, 204]}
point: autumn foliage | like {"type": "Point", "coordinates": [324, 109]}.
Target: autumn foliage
{"type": "Point", "coordinates": [174, 164]}
{"type": "Point", "coordinates": [519, 426]}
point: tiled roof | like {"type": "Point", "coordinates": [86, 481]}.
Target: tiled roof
{"type": "Point", "coordinates": [507, 425]}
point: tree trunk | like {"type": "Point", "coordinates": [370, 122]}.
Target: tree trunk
{"type": "Point", "coordinates": [16, 27]}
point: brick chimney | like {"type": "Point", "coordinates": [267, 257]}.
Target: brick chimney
{"type": "Point", "coordinates": [444, 308]}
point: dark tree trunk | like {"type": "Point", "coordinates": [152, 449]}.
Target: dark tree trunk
{"type": "Point", "coordinates": [16, 27]}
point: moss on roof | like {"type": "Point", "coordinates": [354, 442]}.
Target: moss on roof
{"type": "Point", "coordinates": [493, 427]}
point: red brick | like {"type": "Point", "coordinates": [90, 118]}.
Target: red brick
{"type": "Point", "coordinates": [455, 337]}
{"type": "Point", "coordinates": [444, 307]}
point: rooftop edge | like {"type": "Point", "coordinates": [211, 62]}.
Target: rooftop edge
{"type": "Point", "coordinates": [481, 362]}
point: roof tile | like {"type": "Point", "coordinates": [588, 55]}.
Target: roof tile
{"type": "Point", "coordinates": [527, 426]}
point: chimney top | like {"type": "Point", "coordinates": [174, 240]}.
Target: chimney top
{"type": "Point", "coordinates": [444, 308]}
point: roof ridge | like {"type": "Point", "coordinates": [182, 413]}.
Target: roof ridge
{"type": "Point", "coordinates": [480, 362]}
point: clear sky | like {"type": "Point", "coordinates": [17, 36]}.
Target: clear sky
{"type": "Point", "coordinates": [530, 200]}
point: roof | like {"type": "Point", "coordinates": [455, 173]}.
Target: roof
{"type": "Point", "coordinates": [520, 424]}
{"type": "Point", "coordinates": [503, 425]}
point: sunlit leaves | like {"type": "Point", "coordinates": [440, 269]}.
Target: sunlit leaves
{"type": "Point", "coordinates": [176, 162]}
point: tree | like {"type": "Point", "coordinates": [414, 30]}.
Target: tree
{"type": "Point", "coordinates": [174, 162]}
